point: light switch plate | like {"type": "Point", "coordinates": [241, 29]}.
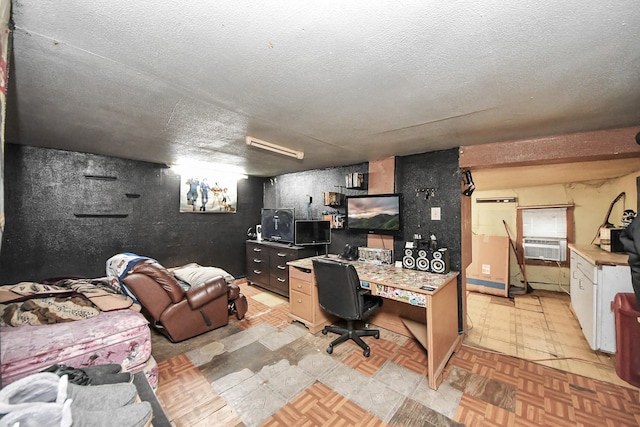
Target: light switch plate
{"type": "Point", "coordinates": [435, 214]}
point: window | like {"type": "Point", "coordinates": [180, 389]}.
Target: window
{"type": "Point", "coordinates": [544, 233]}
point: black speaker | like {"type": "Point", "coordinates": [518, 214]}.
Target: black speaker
{"type": "Point", "coordinates": [440, 262]}
{"type": "Point", "coordinates": [423, 259]}
{"type": "Point", "coordinates": [409, 256]}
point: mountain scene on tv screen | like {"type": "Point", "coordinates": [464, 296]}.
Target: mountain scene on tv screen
{"type": "Point", "coordinates": [377, 222]}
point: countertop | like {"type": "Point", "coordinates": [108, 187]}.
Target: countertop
{"type": "Point", "coordinates": [388, 274]}
{"type": "Point", "coordinates": [599, 256]}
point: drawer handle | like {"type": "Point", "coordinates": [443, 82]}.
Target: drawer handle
{"type": "Point", "coordinates": [299, 286]}
{"type": "Point", "coordinates": [257, 261]}
{"type": "Point", "coordinates": [257, 250]}
{"type": "Point", "coordinates": [257, 271]}
{"type": "Point", "coordinates": [574, 275]}
{"type": "Point", "coordinates": [281, 280]}
{"type": "Point", "coordinates": [580, 285]}
{"type": "Point", "coordinates": [299, 301]}
{"type": "Point", "coordinates": [282, 267]}
{"type": "Point", "coordinates": [281, 255]}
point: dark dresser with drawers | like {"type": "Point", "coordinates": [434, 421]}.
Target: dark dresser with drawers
{"type": "Point", "coordinates": [267, 264]}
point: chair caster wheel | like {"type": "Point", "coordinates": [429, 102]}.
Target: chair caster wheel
{"type": "Point", "coordinates": [330, 349]}
{"type": "Point", "coordinates": [367, 352]}
{"type": "Point", "coordinates": [324, 332]}
{"type": "Point", "coordinates": [377, 335]}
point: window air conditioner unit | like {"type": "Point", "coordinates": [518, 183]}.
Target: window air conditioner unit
{"type": "Point", "coordinates": [545, 249]}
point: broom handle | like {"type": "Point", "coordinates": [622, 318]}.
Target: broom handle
{"type": "Point", "coordinates": [515, 251]}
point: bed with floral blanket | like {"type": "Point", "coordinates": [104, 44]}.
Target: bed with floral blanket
{"type": "Point", "coordinates": [76, 322]}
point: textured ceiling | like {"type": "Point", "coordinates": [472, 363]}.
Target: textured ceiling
{"type": "Point", "coordinates": [343, 81]}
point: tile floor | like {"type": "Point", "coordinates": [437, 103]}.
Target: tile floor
{"type": "Point", "coordinates": [267, 371]}
{"type": "Point", "coordinates": [540, 327]}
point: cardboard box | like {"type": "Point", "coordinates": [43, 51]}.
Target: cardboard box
{"type": "Point", "coordinates": [489, 270]}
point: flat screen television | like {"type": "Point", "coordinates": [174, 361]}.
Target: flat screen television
{"type": "Point", "coordinates": [278, 224]}
{"type": "Point", "coordinates": [374, 213]}
{"type": "Point", "coordinates": [313, 232]}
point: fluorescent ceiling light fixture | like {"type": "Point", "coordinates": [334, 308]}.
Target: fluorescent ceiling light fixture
{"type": "Point", "coordinates": [279, 149]}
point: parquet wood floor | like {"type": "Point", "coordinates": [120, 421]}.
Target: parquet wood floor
{"type": "Point", "coordinates": [318, 405]}
{"type": "Point", "coordinates": [540, 327]}
{"type": "Point", "coordinates": [497, 389]}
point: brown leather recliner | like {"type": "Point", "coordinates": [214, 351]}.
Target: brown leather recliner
{"type": "Point", "coordinates": [181, 314]}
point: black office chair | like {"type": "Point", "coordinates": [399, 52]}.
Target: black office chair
{"type": "Point", "coordinates": [340, 294]}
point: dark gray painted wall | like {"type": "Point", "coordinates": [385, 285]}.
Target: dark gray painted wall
{"type": "Point", "coordinates": [293, 191]}
{"type": "Point", "coordinates": [44, 188]}
{"type": "Point", "coordinates": [437, 170]}
{"type": "Point", "coordinates": [43, 238]}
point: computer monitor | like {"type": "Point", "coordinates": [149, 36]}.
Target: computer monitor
{"type": "Point", "coordinates": [312, 232]}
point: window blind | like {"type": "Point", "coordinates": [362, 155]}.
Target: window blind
{"type": "Point", "coordinates": [547, 222]}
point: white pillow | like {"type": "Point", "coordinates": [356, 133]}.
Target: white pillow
{"type": "Point", "coordinates": [195, 276]}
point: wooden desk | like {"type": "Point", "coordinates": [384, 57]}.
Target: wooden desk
{"type": "Point", "coordinates": [430, 316]}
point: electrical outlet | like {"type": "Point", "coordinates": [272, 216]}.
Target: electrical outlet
{"type": "Point", "coordinates": [435, 214]}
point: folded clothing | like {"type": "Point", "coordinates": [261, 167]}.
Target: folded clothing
{"type": "Point", "coordinates": [197, 275]}
{"type": "Point", "coordinates": [44, 399]}
{"type": "Point", "coordinates": [92, 375]}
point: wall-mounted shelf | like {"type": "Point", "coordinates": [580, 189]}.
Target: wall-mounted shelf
{"type": "Point", "coordinates": [100, 215]}
{"type": "Point", "coordinates": [336, 219]}
{"type": "Point", "coordinates": [333, 199]}
{"type": "Point", "coordinates": [355, 180]}
{"type": "Point", "coordinates": [132, 195]}
{"type": "Point", "coordinates": [497, 200]}
{"type": "Point", "coordinates": [101, 177]}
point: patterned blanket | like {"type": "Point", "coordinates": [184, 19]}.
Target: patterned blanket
{"type": "Point", "coordinates": [45, 311]}
{"type": "Point", "coordinates": [65, 300]}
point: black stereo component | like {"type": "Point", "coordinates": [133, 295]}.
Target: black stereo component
{"type": "Point", "coordinates": [417, 256]}
{"type": "Point", "coordinates": [423, 258]}
{"type": "Point", "coordinates": [409, 256]}
{"type": "Point", "coordinates": [420, 256]}
{"type": "Point", "coordinates": [440, 262]}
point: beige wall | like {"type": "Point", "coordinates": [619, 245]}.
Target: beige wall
{"type": "Point", "coordinates": [591, 200]}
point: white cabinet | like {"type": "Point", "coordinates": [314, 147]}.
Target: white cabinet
{"type": "Point", "coordinates": [596, 277]}
{"type": "Point", "coordinates": [583, 296]}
